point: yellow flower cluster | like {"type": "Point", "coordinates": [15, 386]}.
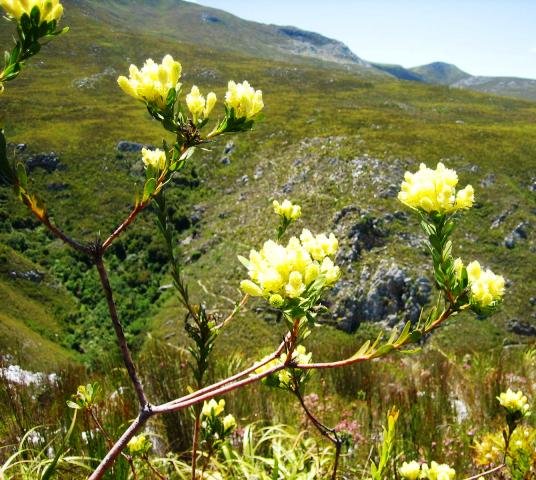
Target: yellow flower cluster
{"type": "Point", "coordinates": [438, 471]}
{"type": "Point", "coordinates": [411, 470]}
{"type": "Point", "coordinates": [287, 210]}
{"type": "Point", "coordinates": [278, 272]}
{"type": "Point", "coordinates": [435, 190]}
{"type": "Point", "coordinates": [514, 402]}
{"type": "Point", "coordinates": [244, 99]}
{"type": "Point", "coordinates": [213, 408]}
{"type": "Point", "coordinates": [299, 357]}
{"type": "Point", "coordinates": [414, 470]}
{"type": "Point", "coordinates": [490, 450]}
{"type": "Point", "coordinates": [50, 9]}
{"type": "Point", "coordinates": [154, 158]}
{"type": "Point", "coordinates": [138, 445]}
{"type": "Point", "coordinates": [152, 83]}
{"type": "Point", "coordinates": [200, 107]}
{"type": "Point", "coordinates": [486, 287]}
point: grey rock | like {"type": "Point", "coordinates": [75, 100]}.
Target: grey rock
{"type": "Point", "coordinates": [389, 295]}
{"type": "Point", "coordinates": [225, 161]}
{"type": "Point", "coordinates": [367, 233]}
{"type": "Point", "coordinates": [132, 147]}
{"type": "Point", "coordinates": [197, 214]}
{"type": "Point", "coordinates": [520, 232]}
{"type": "Point", "coordinates": [47, 161]}
{"type": "Point", "coordinates": [30, 275]}
{"type": "Point", "coordinates": [522, 328]}
{"type": "Point", "coordinates": [209, 18]}
{"type": "Point", "coordinates": [57, 186]}
{"type": "Point", "coordinates": [390, 192]}
{"type": "Point", "coordinates": [488, 180]}
{"type": "Point", "coordinates": [532, 186]}
{"type": "Point", "coordinates": [229, 147]}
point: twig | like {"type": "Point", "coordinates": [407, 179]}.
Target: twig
{"type": "Point", "coordinates": [120, 444]}
{"type": "Point", "coordinates": [237, 376]}
{"type": "Point", "coordinates": [329, 433]}
{"type": "Point", "coordinates": [125, 352]}
{"type": "Point", "coordinates": [488, 472]}
{"type": "Point", "coordinates": [195, 441]}
{"type": "Point", "coordinates": [234, 312]}
{"type": "Point", "coordinates": [369, 356]}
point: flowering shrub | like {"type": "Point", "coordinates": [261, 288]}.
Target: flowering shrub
{"type": "Point", "coordinates": [292, 277]}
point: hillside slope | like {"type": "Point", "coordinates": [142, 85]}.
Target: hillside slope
{"type": "Point", "coordinates": [333, 140]}
{"type": "Point", "coordinates": [218, 30]}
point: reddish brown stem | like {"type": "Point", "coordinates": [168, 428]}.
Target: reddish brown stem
{"type": "Point", "coordinates": [195, 441]}
{"type": "Point", "coordinates": [488, 472]}
{"type": "Point", "coordinates": [369, 356]}
{"type": "Point", "coordinates": [121, 340]}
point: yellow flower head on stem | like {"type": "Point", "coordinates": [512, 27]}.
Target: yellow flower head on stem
{"type": "Point", "coordinates": [154, 158]}
{"type": "Point", "coordinates": [213, 408]}
{"type": "Point", "coordinates": [200, 107]}
{"type": "Point", "coordinates": [441, 472]}
{"type": "Point", "coordinates": [152, 83]}
{"type": "Point", "coordinates": [287, 210]}
{"type": "Point", "coordinates": [514, 402]}
{"type": "Point", "coordinates": [486, 287]}
{"type": "Point", "coordinates": [410, 471]}
{"type": "Point", "coordinates": [49, 9]}
{"type": "Point", "coordinates": [435, 190]}
{"type": "Point", "coordinates": [245, 101]}
{"type": "Point", "coordinates": [279, 272]}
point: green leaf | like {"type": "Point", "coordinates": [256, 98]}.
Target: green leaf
{"type": "Point", "coordinates": [6, 172]}
{"type": "Point", "coordinates": [22, 175]}
{"type": "Point", "coordinates": [25, 23]}
{"type": "Point", "coordinates": [72, 404]}
{"type": "Point", "coordinates": [35, 15]}
{"type": "Point", "coordinates": [149, 188]}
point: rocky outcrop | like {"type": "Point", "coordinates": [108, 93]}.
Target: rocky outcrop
{"type": "Point", "coordinates": [360, 231]}
{"type": "Point", "coordinates": [126, 146]}
{"type": "Point", "coordinates": [388, 295]}
{"type": "Point", "coordinates": [46, 161]}
{"type": "Point", "coordinates": [522, 328]}
{"type": "Point", "coordinates": [520, 232]}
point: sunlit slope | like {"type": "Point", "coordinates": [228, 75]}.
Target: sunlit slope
{"type": "Point", "coordinates": [320, 125]}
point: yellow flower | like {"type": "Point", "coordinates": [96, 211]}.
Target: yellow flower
{"type": "Point", "coordinates": [245, 101]}
{"type": "Point", "coordinates": [152, 83]}
{"type": "Point", "coordinates": [487, 288]}
{"type": "Point", "coordinates": [213, 408]}
{"type": "Point", "coordinates": [229, 422]}
{"type": "Point", "coordinates": [441, 472]}
{"type": "Point", "coordinates": [435, 190]}
{"type": "Point", "coordinates": [280, 272]}
{"type": "Point", "coordinates": [198, 106]}
{"type": "Point", "coordinates": [514, 402]}
{"type": "Point", "coordinates": [287, 210]}
{"type": "Point", "coordinates": [50, 9]}
{"type": "Point", "coordinates": [138, 445]}
{"type": "Point", "coordinates": [410, 470]}
{"type": "Point", "coordinates": [154, 158]}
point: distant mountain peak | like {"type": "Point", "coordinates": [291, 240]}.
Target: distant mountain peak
{"type": "Point", "coordinates": [440, 72]}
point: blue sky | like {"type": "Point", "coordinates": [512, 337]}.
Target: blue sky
{"type": "Point", "coordinates": [482, 37]}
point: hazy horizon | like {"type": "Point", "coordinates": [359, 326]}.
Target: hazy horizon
{"type": "Point", "coordinates": [482, 37]}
